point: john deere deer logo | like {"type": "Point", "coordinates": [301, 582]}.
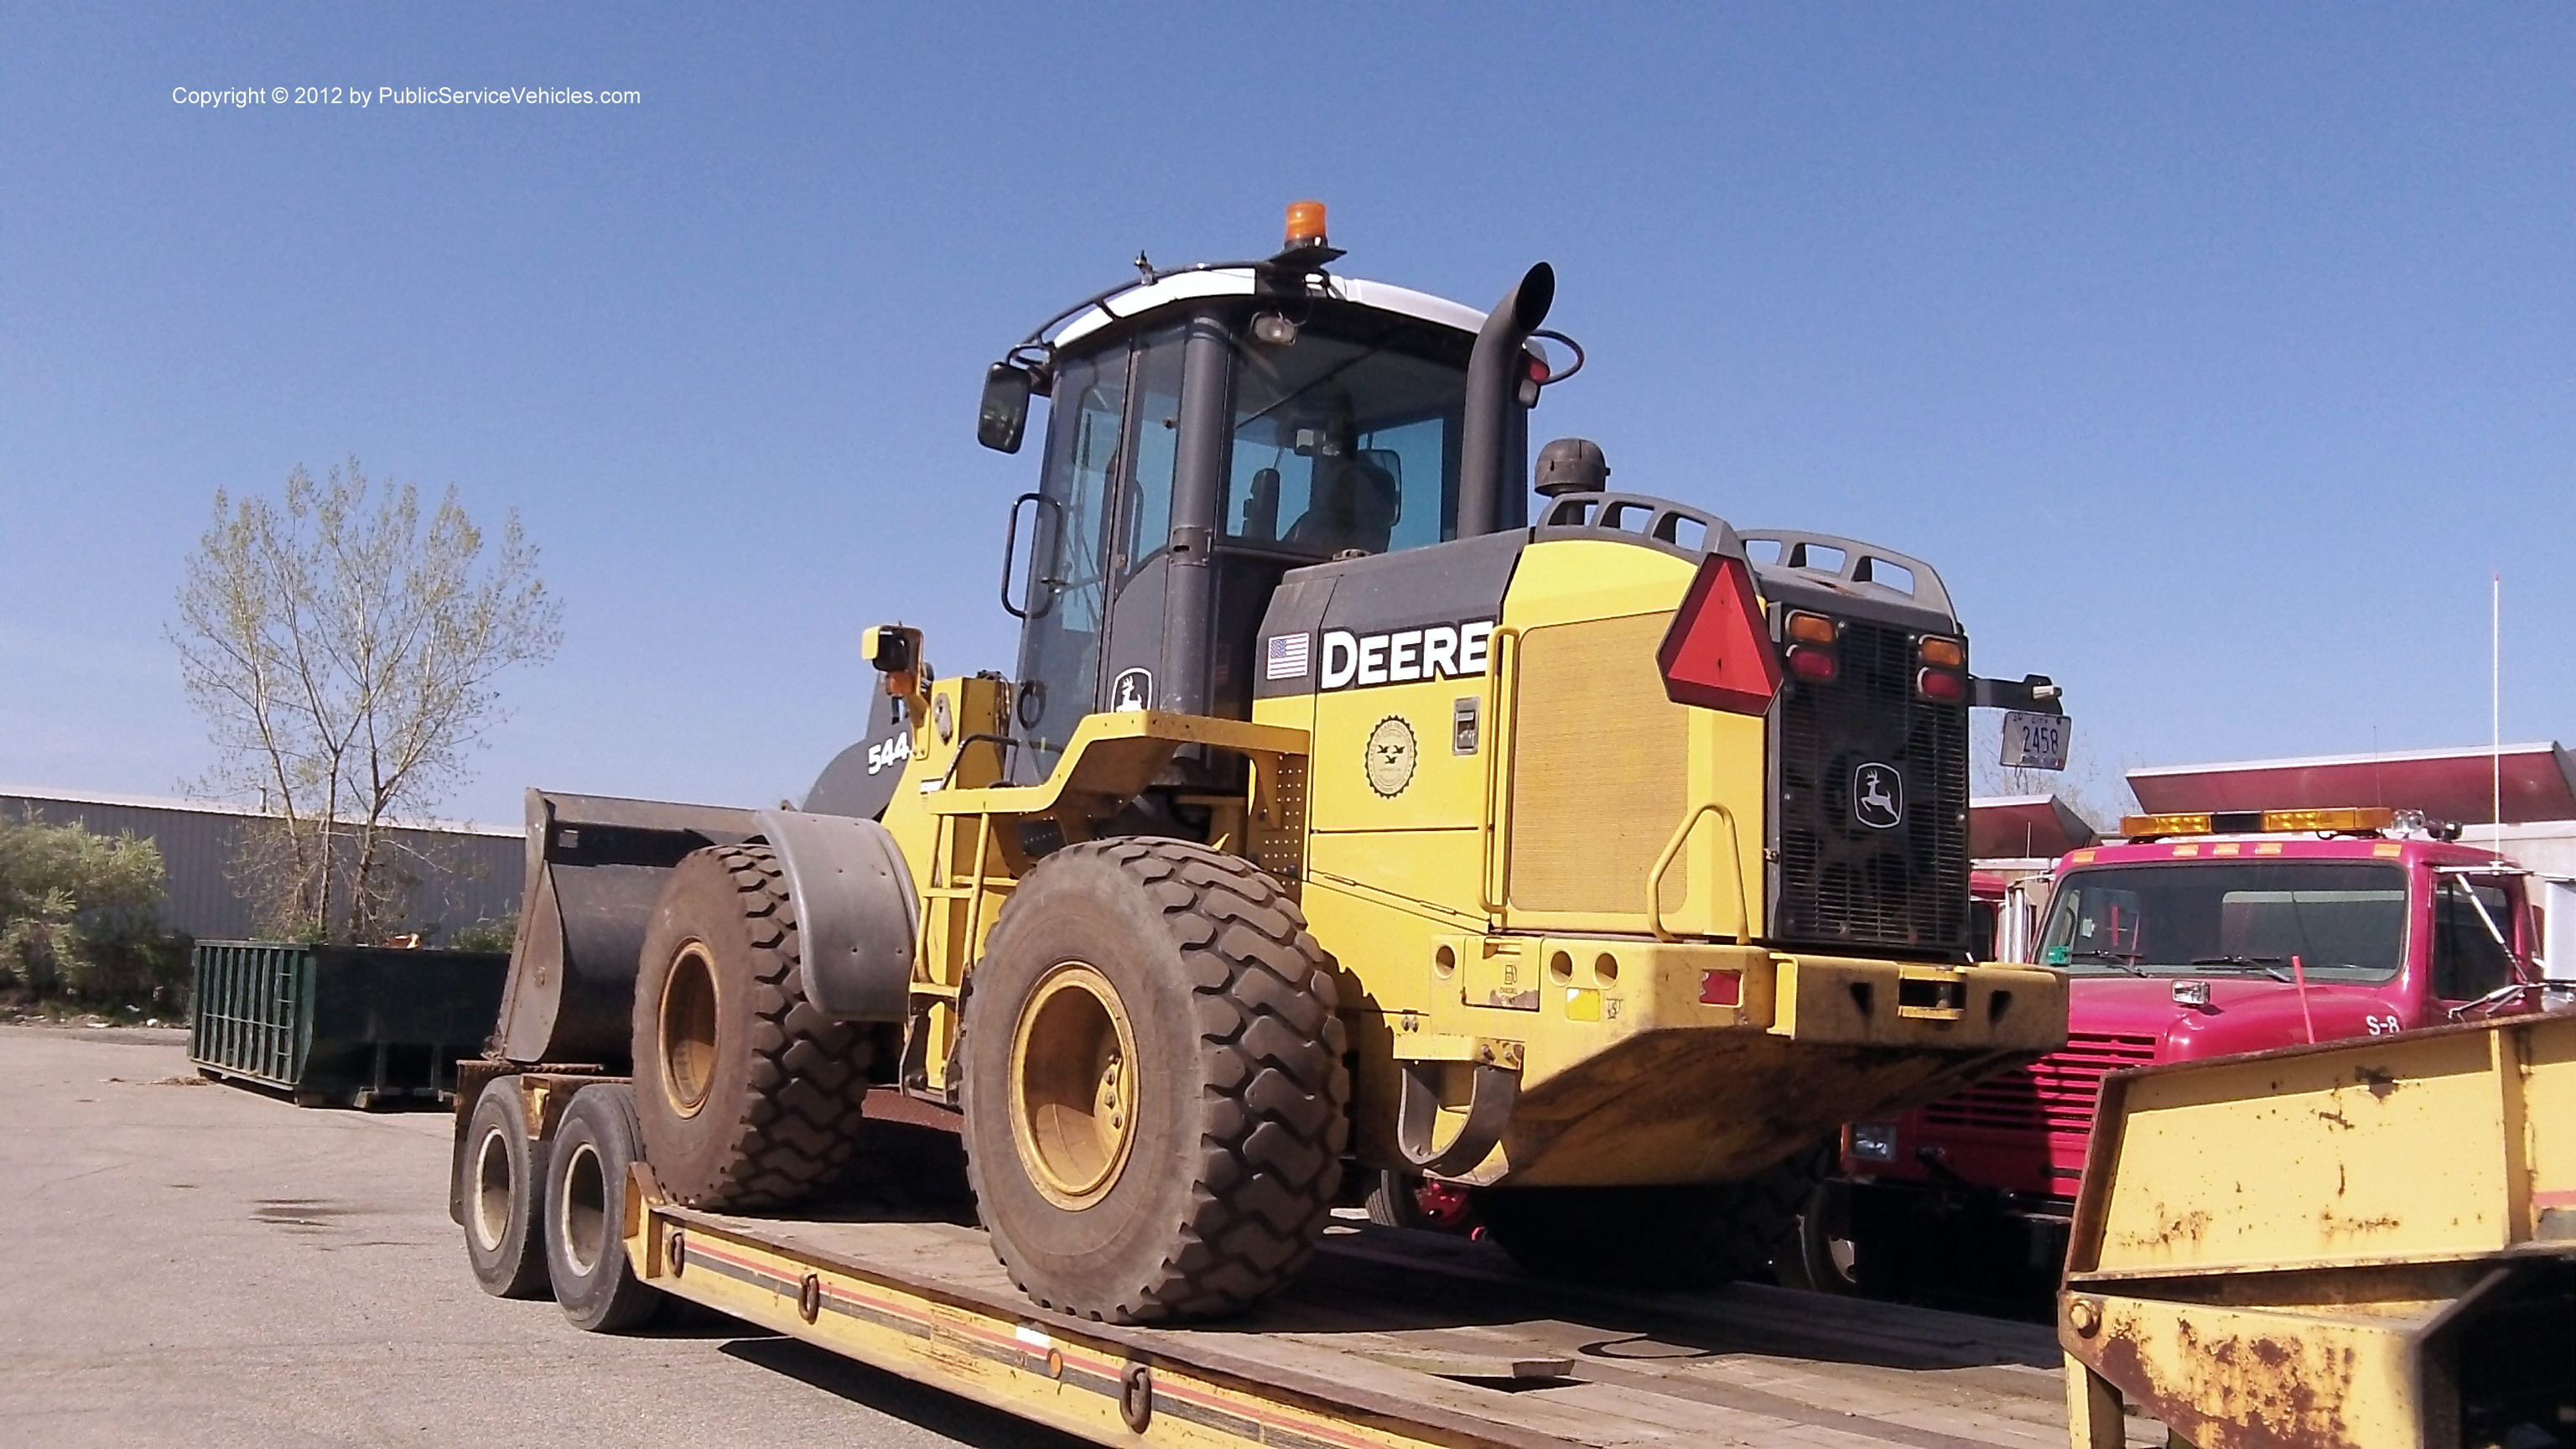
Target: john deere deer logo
{"type": "Point", "coordinates": [1878, 796]}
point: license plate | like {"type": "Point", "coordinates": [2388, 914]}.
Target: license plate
{"type": "Point", "coordinates": [2035, 741]}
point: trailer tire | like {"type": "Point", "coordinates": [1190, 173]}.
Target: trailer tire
{"type": "Point", "coordinates": [1693, 1235]}
{"type": "Point", "coordinates": [1762, 1214]}
{"type": "Point", "coordinates": [1408, 1200]}
{"type": "Point", "coordinates": [749, 1097]}
{"type": "Point", "coordinates": [503, 1192]}
{"type": "Point", "coordinates": [585, 1214]}
{"type": "Point", "coordinates": [1828, 1251]}
{"type": "Point", "coordinates": [1154, 1088]}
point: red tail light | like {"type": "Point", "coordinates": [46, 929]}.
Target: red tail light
{"type": "Point", "coordinates": [1942, 685]}
{"type": "Point", "coordinates": [1815, 664]}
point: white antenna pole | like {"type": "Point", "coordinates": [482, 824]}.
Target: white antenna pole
{"type": "Point", "coordinates": [2495, 703]}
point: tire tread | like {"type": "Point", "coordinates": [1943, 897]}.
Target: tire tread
{"type": "Point", "coordinates": [801, 1121]}
{"type": "Point", "coordinates": [1275, 1087]}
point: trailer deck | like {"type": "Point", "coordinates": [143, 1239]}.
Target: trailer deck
{"type": "Point", "coordinates": [1389, 1338]}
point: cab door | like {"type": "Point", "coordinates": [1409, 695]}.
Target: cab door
{"type": "Point", "coordinates": [1093, 605]}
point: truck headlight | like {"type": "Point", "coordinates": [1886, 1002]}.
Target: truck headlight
{"type": "Point", "coordinates": [1874, 1141]}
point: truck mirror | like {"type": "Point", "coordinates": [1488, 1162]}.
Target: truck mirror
{"type": "Point", "coordinates": [1005, 411]}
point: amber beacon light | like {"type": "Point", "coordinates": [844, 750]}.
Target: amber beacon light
{"type": "Point", "coordinates": [1306, 224]}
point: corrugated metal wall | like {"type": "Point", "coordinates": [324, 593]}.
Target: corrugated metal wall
{"type": "Point", "coordinates": [464, 876]}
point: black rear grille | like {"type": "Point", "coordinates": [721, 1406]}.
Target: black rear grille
{"type": "Point", "coordinates": [1839, 880]}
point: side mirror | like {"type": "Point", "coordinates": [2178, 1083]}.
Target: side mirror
{"type": "Point", "coordinates": [1005, 411]}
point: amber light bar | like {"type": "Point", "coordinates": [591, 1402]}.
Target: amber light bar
{"type": "Point", "coordinates": [2345, 820]}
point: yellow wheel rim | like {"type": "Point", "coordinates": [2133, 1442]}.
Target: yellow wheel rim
{"type": "Point", "coordinates": [1073, 1085]}
{"type": "Point", "coordinates": [689, 1030]}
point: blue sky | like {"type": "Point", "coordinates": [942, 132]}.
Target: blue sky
{"type": "Point", "coordinates": [2215, 355]}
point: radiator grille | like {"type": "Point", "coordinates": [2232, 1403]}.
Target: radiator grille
{"type": "Point", "coordinates": [1839, 881]}
{"type": "Point", "coordinates": [1600, 768]}
{"type": "Point", "coordinates": [2054, 1095]}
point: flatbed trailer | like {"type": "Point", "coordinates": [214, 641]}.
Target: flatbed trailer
{"type": "Point", "coordinates": [1390, 1338]}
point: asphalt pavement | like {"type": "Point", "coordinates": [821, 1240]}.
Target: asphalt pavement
{"type": "Point", "coordinates": [199, 1264]}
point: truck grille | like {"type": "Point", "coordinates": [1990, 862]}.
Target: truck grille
{"type": "Point", "coordinates": [2055, 1094]}
{"type": "Point", "coordinates": [1839, 880]}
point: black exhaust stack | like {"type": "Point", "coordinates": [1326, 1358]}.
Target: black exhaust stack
{"type": "Point", "coordinates": [1493, 388]}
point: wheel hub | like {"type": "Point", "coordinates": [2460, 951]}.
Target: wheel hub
{"type": "Point", "coordinates": [492, 1185]}
{"type": "Point", "coordinates": [583, 1222]}
{"type": "Point", "coordinates": [688, 1033]}
{"type": "Point", "coordinates": [1073, 1085]}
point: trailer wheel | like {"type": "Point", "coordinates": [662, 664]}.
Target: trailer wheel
{"type": "Point", "coordinates": [1695, 1235]}
{"type": "Point", "coordinates": [585, 1214]}
{"type": "Point", "coordinates": [504, 1186]}
{"type": "Point", "coordinates": [1154, 1089]}
{"type": "Point", "coordinates": [1828, 1250]}
{"type": "Point", "coordinates": [1410, 1200]}
{"type": "Point", "coordinates": [749, 1097]}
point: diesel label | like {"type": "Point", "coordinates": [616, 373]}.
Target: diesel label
{"type": "Point", "coordinates": [1403, 656]}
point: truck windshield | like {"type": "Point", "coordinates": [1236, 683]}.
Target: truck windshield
{"type": "Point", "coordinates": [2343, 922]}
{"type": "Point", "coordinates": [1342, 444]}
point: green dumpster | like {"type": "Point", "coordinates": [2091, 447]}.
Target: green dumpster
{"type": "Point", "coordinates": [361, 1025]}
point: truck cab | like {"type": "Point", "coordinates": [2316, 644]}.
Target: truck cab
{"type": "Point", "coordinates": [2180, 943]}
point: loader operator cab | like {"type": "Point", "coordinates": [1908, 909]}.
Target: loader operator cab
{"type": "Point", "coordinates": [1207, 431]}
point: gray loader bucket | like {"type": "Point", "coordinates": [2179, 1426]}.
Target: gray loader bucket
{"type": "Point", "coordinates": [595, 869]}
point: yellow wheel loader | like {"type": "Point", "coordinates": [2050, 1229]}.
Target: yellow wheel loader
{"type": "Point", "coordinates": [1352, 807]}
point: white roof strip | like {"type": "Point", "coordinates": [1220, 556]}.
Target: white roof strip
{"type": "Point", "coordinates": [2391, 757]}
{"type": "Point", "coordinates": [1238, 282]}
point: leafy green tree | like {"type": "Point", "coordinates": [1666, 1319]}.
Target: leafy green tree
{"type": "Point", "coordinates": [343, 644]}
{"type": "Point", "coordinates": [79, 913]}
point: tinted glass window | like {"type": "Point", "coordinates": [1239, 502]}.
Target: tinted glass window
{"type": "Point", "coordinates": [1145, 526]}
{"type": "Point", "coordinates": [1068, 584]}
{"type": "Point", "coordinates": [2342, 922]}
{"type": "Point", "coordinates": [1343, 445]}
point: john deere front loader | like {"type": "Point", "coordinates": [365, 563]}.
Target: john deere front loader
{"type": "Point", "coordinates": [1350, 807]}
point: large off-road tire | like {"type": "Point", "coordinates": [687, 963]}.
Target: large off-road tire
{"type": "Point", "coordinates": [1155, 1097]}
{"type": "Point", "coordinates": [585, 1214]}
{"type": "Point", "coordinates": [748, 1096]}
{"type": "Point", "coordinates": [1696, 1235]}
{"type": "Point", "coordinates": [503, 1193]}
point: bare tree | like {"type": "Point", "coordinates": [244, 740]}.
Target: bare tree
{"type": "Point", "coordinates": [2100, 799]}
{"type": "Point", "coordinates": [343, 649]}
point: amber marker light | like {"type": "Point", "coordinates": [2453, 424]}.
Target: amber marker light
{"type": "Point", "coordinates": [1806, 628]}
{"type": "Point", "coordinates": [2360, 820]}
{"type": "Point", "coordinates": [2332, 821]}
{"type": "Point", "coordinates": [1943, 653]}
{"type": "Point", "coordinates": [1305, 223]}
{"type": "Point", "coordinates": [2188, 822]}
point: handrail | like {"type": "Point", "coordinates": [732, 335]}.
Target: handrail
{"type": "Point", "coordinates": [1673, 848]}
{"type": "Point", "coordinates": [1496, 837]}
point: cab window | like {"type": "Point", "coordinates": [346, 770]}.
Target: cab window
{"type": "Point", "coordinates": [2472, 932]}
{"type": "Point", "coordinates": [1342, 445]}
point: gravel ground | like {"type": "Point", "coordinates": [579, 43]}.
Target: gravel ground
{"type": "Point", "coordinates": [204, 1265]}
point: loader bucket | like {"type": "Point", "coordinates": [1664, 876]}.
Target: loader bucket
{"type": "Point", "coordinates": [595, 869]}
{"type": "Point", "coordinates": [2362, 1243]}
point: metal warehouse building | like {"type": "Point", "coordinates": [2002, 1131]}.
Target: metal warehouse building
{"type": "Point", "coordinates": [461, 874]}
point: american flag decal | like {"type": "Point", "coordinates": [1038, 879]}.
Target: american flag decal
{"type": "Point", "coordinates": [1287, 656]}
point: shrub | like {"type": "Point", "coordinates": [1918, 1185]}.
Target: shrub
{"type": "Point", "coordinates": [486, 935]}
{"type": "Point", "coordinates": [79, 915]}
